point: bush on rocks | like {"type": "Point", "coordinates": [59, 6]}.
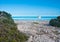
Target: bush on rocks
{"type": "Point", "coordinates": [8, 29]}
{"type": "Point", "coordinates": [58, 18]}
{"type": "Point", "coordinates": [55, 22]}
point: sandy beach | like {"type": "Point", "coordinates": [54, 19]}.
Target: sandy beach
{"type": "Point", "coordinates": [39, 31]}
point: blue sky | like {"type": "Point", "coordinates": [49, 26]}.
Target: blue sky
{"type": "Point", "coordinates": [31, 7]}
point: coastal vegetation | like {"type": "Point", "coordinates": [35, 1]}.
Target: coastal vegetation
{"type": "Point", "coordinates": [35, 22]}
{"type": "Point", "coordinates": [8, 29]}
{"type": "Point", "coordinates": [55, 22]}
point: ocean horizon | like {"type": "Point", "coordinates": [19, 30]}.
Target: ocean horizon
{"type": "Point", "coordinates": [33, 17]}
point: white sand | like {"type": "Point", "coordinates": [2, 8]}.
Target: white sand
{"type": "Point", "coordinates": [40, 32]}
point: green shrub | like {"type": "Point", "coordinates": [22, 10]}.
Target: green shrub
{"type": "Point", "coordinates": [58, 18]}
{"type": "Point", "coordinates": [8, 29]}
{"type": "Point", "coordinates": [55, 22]}
{"type": "Point", "coordinates": [52, 22]}
{"type": "Point", "coordinates": [35, 22]}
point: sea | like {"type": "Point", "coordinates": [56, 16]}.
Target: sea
{"type": "Point", "coordinates": [34, 17]}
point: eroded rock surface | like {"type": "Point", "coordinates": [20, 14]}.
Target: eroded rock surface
{"type": "Point", "coordinates": [40, 31]}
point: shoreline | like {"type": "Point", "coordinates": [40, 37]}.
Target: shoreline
{"type": "Point", "coordinates": [31, 21]}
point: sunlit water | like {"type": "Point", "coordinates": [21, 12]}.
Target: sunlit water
{"type": "Point", "coordinates": [33, 17]}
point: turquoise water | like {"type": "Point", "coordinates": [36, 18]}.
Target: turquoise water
{"type": "Point", "coordinates": [33, 17]}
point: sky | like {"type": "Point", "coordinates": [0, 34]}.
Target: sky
{"type": "Point", "coordinates": [31, 7]}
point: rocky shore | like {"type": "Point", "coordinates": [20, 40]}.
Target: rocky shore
{"type": "Point", "coordinates": [39, 31]}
